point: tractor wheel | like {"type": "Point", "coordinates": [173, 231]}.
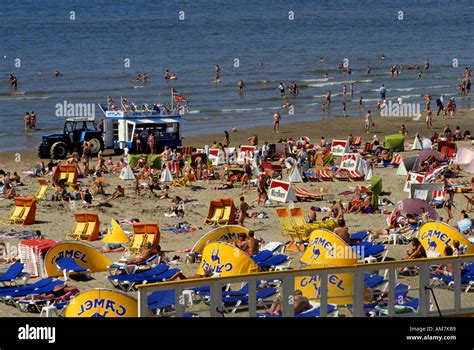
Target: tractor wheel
{"type": "Point", "coordinates": [96, 145]}
{"type": "Point", "coordinates": [59, 150]}
{"type": "Point", "coordinates": [43, 152]}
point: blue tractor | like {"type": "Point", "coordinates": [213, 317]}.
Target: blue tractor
{"type": "Point", "coordinates": [76, 131]}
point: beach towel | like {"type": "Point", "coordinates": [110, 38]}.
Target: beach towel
{"type": "Point", "coordinates": [19, 235]}
{"type": "Point", "coordinates": [346, 193]}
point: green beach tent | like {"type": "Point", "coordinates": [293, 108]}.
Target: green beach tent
{"type": "Point", "coordinates": [376, 189]}
{"type": "Point", "coordinates": [395, 142]}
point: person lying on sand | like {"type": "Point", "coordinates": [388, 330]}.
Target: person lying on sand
{"type": "Point", "coordinates": [226, 186]}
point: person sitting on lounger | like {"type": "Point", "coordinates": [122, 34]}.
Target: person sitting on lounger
{"type": "Point", "coordinates": [417, 250]}
{"type": "Point", "coordinates": [342, 231]}
{"type": "Point", "coordinates": [180, 276]}
{"type": "Point", "coordinates": [312, 215]}
{"type": "Point", "coordinates": [145, 253]}
{"type": "Point", "coordinates": [252, 244]}
{"type": "Point", "coordinates": [242, 242]}
{"type": "Point", "coordinates": [58, 291]}
{"type": "Point", "coordinates": [301, 304]}
{"type": "Point", "coordinates": [447, 269]}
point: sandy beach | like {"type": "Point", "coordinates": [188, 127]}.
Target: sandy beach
{"type": "Point", "coordinates": [55, 219]}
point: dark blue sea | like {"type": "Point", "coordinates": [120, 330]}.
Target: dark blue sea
{"type": "Point", "coordinates": [270, 48]}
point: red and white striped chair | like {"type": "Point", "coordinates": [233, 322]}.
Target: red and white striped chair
{"type": "Point", "coordinates": [324, 175]}
{"type": "Point", "coordinates": [438, 199]}
{"type": "Point", "coordinates": [303, 194]}
{"type": "Point", "coordinates": [356, 141]}
{"type": "Point", "coordinates": [367, 149]}
{"type": "Point", "coordinates": [396, 160]}
{"type": "Point", "coordinates": [439, 195]}
{"type": "Point", "coordinates": [355, 175]}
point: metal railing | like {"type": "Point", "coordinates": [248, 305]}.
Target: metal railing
{"type": "Point", "coordinates": [287, 279]}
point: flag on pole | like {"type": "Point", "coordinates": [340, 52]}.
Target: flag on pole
{"type": "Point", "coordinates": [178, 97]}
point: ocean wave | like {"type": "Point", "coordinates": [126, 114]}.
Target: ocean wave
{"type": "Point", "coordinates": [242, 109]}
{"type": "Point", "coordinates": [22, 97]}
{"type": "Point", "coordinates": [331, 83]}
{"type": "Point", "coordinates": [311, 80]}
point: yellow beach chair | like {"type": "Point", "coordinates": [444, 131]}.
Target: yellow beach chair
{"type": "Point", "coordinates": [216, 212]}
{"type": "Point", "coordinates": [41, 192]}
{"type": "Point", "coordinates": [87, 227]}
{"type": "Point", "coordinates": [23, 213]}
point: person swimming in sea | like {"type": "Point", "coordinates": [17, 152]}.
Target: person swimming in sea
{"type": "Point", "coordinates": [13, 81]}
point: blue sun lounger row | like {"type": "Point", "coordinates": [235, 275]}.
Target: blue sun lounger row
{"type": "Point", "coordinates": [14, 274]}
{"type": "Point", "coordinates": [69, 265]}
{"type": "Point", "coordinates": [368, 251]}
{"type": "Point", "coordinates": [267, 261]}
{"type": "Point", "coordinates": [44, 286]}
{"type": "Point", "coordinates": [156, 274]}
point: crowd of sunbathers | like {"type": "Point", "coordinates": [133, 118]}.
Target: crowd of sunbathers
{"type": "Point", "coordinates": [8, 183]}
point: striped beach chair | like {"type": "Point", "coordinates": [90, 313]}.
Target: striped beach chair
{"type": "Point", "coordinates": [357, 141]}
{"type": "Point", "coordinates": [303, 194]}
{"type": "Point", "coordinates": [367, 149]}
{"type": "Point", "coordinates": [355, 175]}
{"type": "Point", "coordinates": [325, 175]}
{"type": "Point", "coordinates": [438, 199]}
{"type": "Point", "coordinates": [396, 160]}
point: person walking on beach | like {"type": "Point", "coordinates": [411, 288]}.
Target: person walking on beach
{"type": "Point", "coordinates": [344, 90]}
{"type": "Point", "coordinates": [276, 122]}
{"type": "Point", "coordinates": [368, 122]}
{"type": "Point", "coordinates": [151, 143]}
{"type": "Point", "coordinates": [383, 92]}
{"type": "Point", "coordinates": [361, 102]}
{"type": "Point", "coordinates": [226, 142]}
{"type": "Point", "coordinates": [429, 118]}
{"type": "Point", "coordinates": [243, 209]}
{"type": "Point", "coordinates": [241, 86]}
{"type": "Point", "coordinates": [344, 109]}
{"type": "Point", "coordinates": [440, 105]}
